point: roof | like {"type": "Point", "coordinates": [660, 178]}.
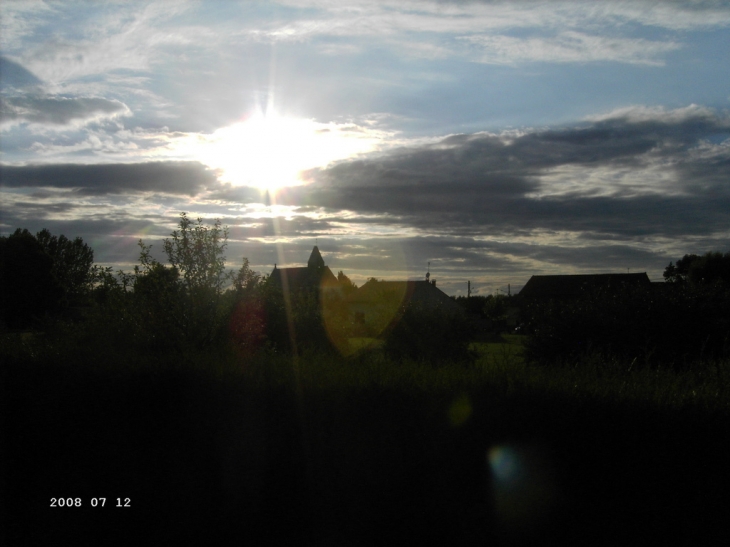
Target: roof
{"type": "Point", "coordinates": [315, 274]}
{"type": "Point", "coordinates": [296, 278]}
{"type": "Point", "coordinates": [566, 286]}
{"type": "Point", "coordinates": [418, 292]}
{"type": "Point", "coordinates": [315, 259]}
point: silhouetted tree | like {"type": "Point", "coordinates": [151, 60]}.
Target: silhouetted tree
{"type": "Point", "coordinates": [73, 264]}
{"type": "Point", "coordinates": [247, 321]}
{"type": "Point", "coordinates": [712, 267]}
{"type": "Point", "coordinates": [29, 288]}
{"type": "Point", "coordinates": [430, 334]}
{"type": "Point", "coordinates": [473, 305]}
{"type": "Point", "coordinates": [246, 281]}
{"type": "Point", "coordinates": [348, 287]}
{"type": "Point", "coordinates": [197, 252]}
{"type": "Point", "coordinates": [183, 302]}
{"type": "Point", "coordinates": [495, 312]}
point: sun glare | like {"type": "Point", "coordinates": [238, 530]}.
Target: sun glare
{"type": "Point", "coordinates": [270, 151]}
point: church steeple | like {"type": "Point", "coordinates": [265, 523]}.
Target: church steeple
{"type": "Point", "coordinates": [315, 259]}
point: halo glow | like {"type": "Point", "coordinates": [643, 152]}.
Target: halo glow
{"type": "Point", "coordinates": [268, 151]}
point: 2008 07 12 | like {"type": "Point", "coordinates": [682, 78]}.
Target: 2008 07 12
{"type": "Point", "coordinates": [95, 502]}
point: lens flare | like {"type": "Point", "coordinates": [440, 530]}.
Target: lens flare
{"type": "Point", "coordinates": [525, 492]}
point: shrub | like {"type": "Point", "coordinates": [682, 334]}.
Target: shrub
{"type": "Point", "coordinates": [429, 334]}
{"type": "Point", "coordinates": [675, 326]}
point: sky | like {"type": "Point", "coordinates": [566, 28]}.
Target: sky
{"type": "Point", "coordinates": [488, 141]}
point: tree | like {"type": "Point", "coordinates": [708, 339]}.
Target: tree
{"type": "Point", "coordinates": [73, 264]}
{"type": "Point", "coordinates": [712, 267]}
{"type": "Point", "coordinates": [28, 288]}
{"type": "Point", "coordinates": [246, 281]}
{"type": "Point", "coordinates": [247, 320]}
{"type": "Point", "coordinates": [680, 272]}
{"type": "Point", "coordinates": [184, 301]}
{"type": "Point", "coordinates": [437, 336]}
{"type": "Point", "coordinates": [197, 251]}
{"type": "Point", "coordinates": [495, 311]}
{"type": "Point", "coordinates": [348, 287]}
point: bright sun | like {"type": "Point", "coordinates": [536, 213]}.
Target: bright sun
{"type": "Point", "coordinates": [270, 151]}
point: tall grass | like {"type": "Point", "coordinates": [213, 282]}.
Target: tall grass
{"type": "Point", "coordinates": [318, 449]}
{"type": "Point", "coordinates": [497, 365]}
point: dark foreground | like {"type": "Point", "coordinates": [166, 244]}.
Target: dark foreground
{"type": "Point", "coordinates": [208, 460]}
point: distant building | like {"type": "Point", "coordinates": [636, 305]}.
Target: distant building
{"type": "Point", "coordinates": [422, 293]}
{"type": "Point", "coordinates": [571, 286]}
{"type": "Point", "coordinates": [315, 275]}
{"type": "Point", "coordinates": [378, 304]}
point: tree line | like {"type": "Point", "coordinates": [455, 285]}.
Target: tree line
{"type": "Point", "coordinates": [192, 302]}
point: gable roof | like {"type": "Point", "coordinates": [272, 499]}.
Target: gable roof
{"type": "Point", "coordinates": [421, 293]}
{"type": "Point", "coordinates": [568, 286]}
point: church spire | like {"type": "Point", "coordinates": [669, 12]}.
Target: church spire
{"type": "Point", "coordinates": [315, 259]}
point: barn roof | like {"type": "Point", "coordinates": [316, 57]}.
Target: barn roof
{"type": "Point", "coordinates": [566, 286]}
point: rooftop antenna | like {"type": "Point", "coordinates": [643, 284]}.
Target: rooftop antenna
{"type": "Point", "coordinates": [428, 272]}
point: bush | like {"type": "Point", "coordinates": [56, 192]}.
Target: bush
{"type": "Point", "coordinates": [432, 335]}
{"type": "Point", "coordinates": [675, 325]}
{"type": "Point", "coordinates": [178, 307]}
{"type": "Point", "coordinates": [295, 322]}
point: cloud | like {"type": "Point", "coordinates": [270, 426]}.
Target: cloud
{"type": "Point", "coordinates": [510, 183]}
{"type": "Point", "coordinates": [506, 32]}
{"type": "Point", "coordinates": [170, 177]}
{"type": "Point", "coordinates": [476, 15]}
{"type": "Point", "coordinates": [59, 111]}
{"type": "Point", "coordinates": [569, 47]}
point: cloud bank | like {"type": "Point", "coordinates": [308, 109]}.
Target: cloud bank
{"type": "Point", "coordinates": [59, 111]}
{"type": "Point", "coordinates": [634, 173]}
{"type": "Point", "coordinates": [171, 177]}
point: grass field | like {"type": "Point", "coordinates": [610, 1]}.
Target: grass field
{"type": "Point", "coordinates": [320, 450]}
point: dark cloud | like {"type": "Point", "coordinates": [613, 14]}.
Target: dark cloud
{"type": "Point", "coordinates": [488, 184]}
{"type": "Point", "coordinates": [171, 177]}
{"type": "Point", "coordinates": [58, 110]}
{"type": "Point", "coordinates": [487, 207]}
{"type": "Point", "coordinates": [35, 210]}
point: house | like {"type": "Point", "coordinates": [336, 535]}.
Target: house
{"type": "Point", "coordinates": [571, 286]}
{"type": "Point", "coordinates": [314, 276]}
{"type": "Point", "coordinates": [378, 304]}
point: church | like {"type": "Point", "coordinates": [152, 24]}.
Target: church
{"type": "Point", "coordinates": [315, 275]}
{"type": "Point", "coordinates": [374, 305]}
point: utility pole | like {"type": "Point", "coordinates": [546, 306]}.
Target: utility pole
{"type": "Point", "coordinates": [468, 289]}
